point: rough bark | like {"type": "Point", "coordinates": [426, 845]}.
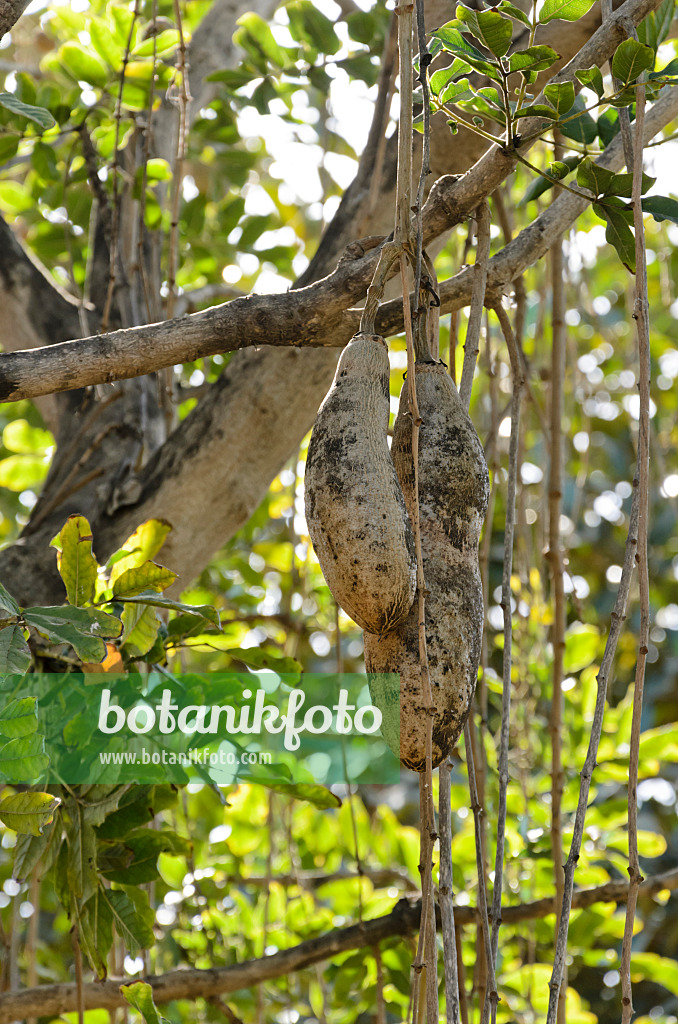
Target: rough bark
{"type": "Point", "coordinates": [10, 12]}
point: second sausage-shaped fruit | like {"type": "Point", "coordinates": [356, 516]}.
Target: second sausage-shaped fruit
{"type": "Point", "coordinates": [453, 494]}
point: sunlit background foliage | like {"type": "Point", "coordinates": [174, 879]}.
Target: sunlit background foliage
{"type": "Point", "coordinates": [267, 162]}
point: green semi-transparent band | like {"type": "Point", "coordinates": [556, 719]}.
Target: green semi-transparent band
{"type": "Point", "coordinates": [220, 728]}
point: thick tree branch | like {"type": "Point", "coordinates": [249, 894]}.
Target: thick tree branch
{"type": "Point", "coordinates": [312, 316]}
{"type": "Point", "coordinates": [51, 1000]}
{"type": "Point", "coordinates": [10, 12]}
{"type": "Point", "coordinates": [533, 241]}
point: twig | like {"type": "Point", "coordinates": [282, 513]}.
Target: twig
{"type": "Point", "coordinates": [518, 381]}
{"type": "Point", "coordinates": [351, 808]}
{"type": "Point", "coordinates": [624, 117]}
{"type": "Point", "coordinates": [381, 1006]}
{"type": "Point", "coordinates": [426, 784]}
{"type": "Point", "coordinates": [403, 228]}
{"type": "Point", "coordinates": [477, 301]}
{"type": "Point", "coordinates": [424, 61]}
{"type": "Point", "coordinates": [618, 617]}
{"type": "Point", "coordinates": [641, 316]}
{"type": "Point", "coordinates": [77, 954]}
{"type": "Point", "coordinates": [426, 956]}
{"type": "Point", "coordinates": [372, 160]}
{"type": "Point", "coordinates": [223, 1007]}
{"type": "Point", "coordinates": [482, 891]}
{"type": "Point", "coordinates": [115, 225]}
{"type": "Point", "coordinates": [445, 898]}
{"type": "Point", "coordinates": [148, 131]}
{"type": "Point", "coordinates": [32, 941]}
{"type": "Point", "coordinates": [179, 157]}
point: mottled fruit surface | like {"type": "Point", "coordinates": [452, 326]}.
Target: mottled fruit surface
{"type": "Point", "coordinates": [453, 496]}
{"type": "Point", "coordinates": [355, 508]}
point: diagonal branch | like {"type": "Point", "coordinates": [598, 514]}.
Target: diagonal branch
{"type": "Point", "coordinates": [312, 316]}
{"type": "Point", "coordinates": [52, 1000]}
{"type": "Point", "coordinates": [10, 12]}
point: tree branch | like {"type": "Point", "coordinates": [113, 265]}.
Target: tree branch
{"type": "Point", "coordinates": [314, 316]}
{"type": "Point", "coordinates": [10, 12]}
{"type": "Point", "coordinates": [51, 1000]}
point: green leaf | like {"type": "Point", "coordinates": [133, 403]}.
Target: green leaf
{"type": "Point", "coordinates": [258, 657]}
{"type": "Point", "coordinates": [564, 10]}
{"type": "Point", "coordinates": [19, 717]}
{"type": "Point", "coordinates": [254, 30]}
{"type": "Point", "coordinates": [661, 208]}
{"type": "Point", "coordinates": [310, 24]}
{"type": "Point", "coordinates": [90, 621]}
{"type": "Point", "coordinates": [141, 625]}
{"type": "Point", "coordinates": [362, 27]}
{"type": "Point", "coordinates": [513, 12]}
{"type": "Point", "coordinates": [534, 58]}
{"type": "Point", "coordinates": [20, 472]}
{"type": "Point", "coordinates": [204, 611]}
{"type": "Point", "coordinates": [15, 654]}
{"type": "Point", "coordinates": [319, 796]}
{"type": "Point", "coordinates": [619, 234]}
{"type": "Point", "coordinates": [593, 79]}
{"type": "Point", "coordinates": [82, 853]}
{"type": "Point", "coordinates": [20, 437]}
{"type": "Point", "coordinates": [581, 647]}
{"type": "Point", "coordinates": [659, 744]}
{"type": "Point", "coordinates": [655, 27]}
{"type": "Point", "coordinates": [536, 110]}
{"type": "Point", "coordinates": [28, 813]}
{"type": "Point", "coordinates": [143, 849]}
{"type": "Point", "coordinates": [590, 175]}
{"type": "Point", "coordinates": [9, 144]}
{"type": "Point", "coordinates": [492, 29]}
{"type": "Point", "coordinates": [139, 995]}
{"type": "Point", "coordinates": [7, 603]}
{"type": "Point", "coordinates": [132, 916]}
{"type": "Point", "coordinates": [104, 43]}
{"type": "Point", "coordinates": [662, 970]}
{"type": "Point", "coordinates": [233, 78]}
{"type": "Point", "coordinates": [670, 71]}
{"type": "Point", "coordinates": [14, 199]}
{"type": "Point", "coordinates": [82, 628]}
{"type": "Point", "coordinates": [24, 759]}
{"type": "Point", "coordinates": [558, 169]}
{"type": "Point", "coordinates": [44, 163]}
{"type": "Point", "coordinates": [143, 545]}
{"type": "Point", "coordinates": [630, 59]}
{"type": "Point", "coordinates": [456, 91]}
{"type": "Point", "coordinates": [158, 169]}
{"type": "Point", "coordinates": [622, 185]}
{"type": "Point", "coordinates": [77, 565]}
{"type": "Point", "coordinates": [31, 850]}
{"type": "Point", "coordinates": [163, 43]}
{"type": "Point", "coordinates": [439, 79]}
{"type": "Point", "coordinates": [454, 42]}
{"type": "Point", "coordinates": [38, 115]}
{"type": "Point", "coordinates": [83, 64]}
{"type": "Point", "coordinates": [96, 932]}
{"type": "Point", "coordinates": [581, 128]}
{"type": "Point", "coordinates": [149, 576]}
{"type": "Point", "coordinates": [561, 96]}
